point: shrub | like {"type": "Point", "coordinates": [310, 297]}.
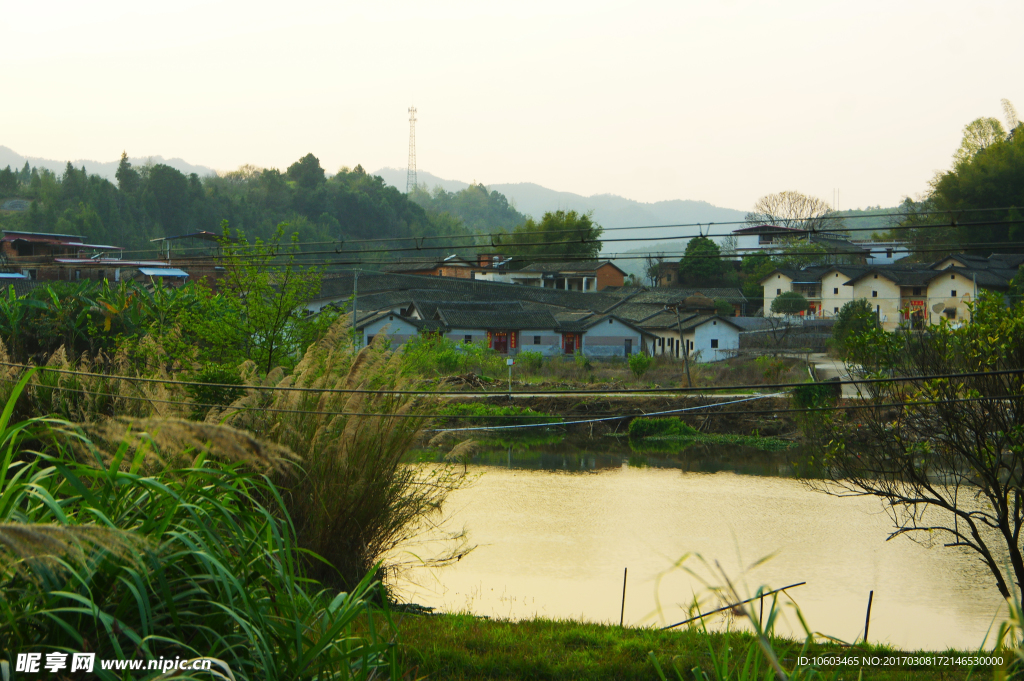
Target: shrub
{"type": "Point", "coordinates": [192, 561]}
{"type": "Point", "coordinates": [639, 363]}
{"type": "Point", "coordinates": [582, 361]}
{"type": "Point", "coordinates": [477, 413]}
{"type": "Point", "coordinates": [789, 302]}
{"type": "Point", "coordinates": [215, 390]}
{"type": "Point", "coordinates": [854, 318]}
{"type": "Point", "coordinates": [531, 361]}
{"type": "Point", "coordinates": [814, 395]}
{"type": "Point", "coordinates": [659, 427]}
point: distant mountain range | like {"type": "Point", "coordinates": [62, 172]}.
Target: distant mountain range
{"type": "Point", "coordinates": [9, 157]}
{"type": "Point", "coordinates": [610, 211]}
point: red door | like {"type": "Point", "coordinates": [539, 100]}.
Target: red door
{"type": "Point", "coordinates": [569, 343]}
{"type": "Point", "coordinates": [500, 342]}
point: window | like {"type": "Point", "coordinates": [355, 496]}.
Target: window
{"type": "Point", "coordinates": [536, 340]}
{"type": "Point", "coordinates": [714, 343]}
{"type": "Point", "coordinates": [468, 338]}
{"type": "Point", "coordinates": [950, 312]}
{"type": "Point", "coordinates": [31, 274]}
{"type": "Point", "coordinates": [609, 321]}
{"type": "Point", "coordinates": [778, 291]}
{"type": "Point", "coordinates": [472, 275]}
{"type": "Point", "coordinates": [917, 290]}
{"type": "Point", "coordinates": [888, 252]}
{"type": "Point", "coordinates": [952, 294]}
{"type": "Point", "coordinates": [876, 276]}
{"type": "Point", "coordinates": [874, 294]}
{"type": "Point", "coordinates": [78, 275]}
{"type": "Point", "coordinates": [629, 347]}
{"type": "Point", "coordinates": [952, 276]}
{"type": "Point", "coordinates": [835, 310]}
{"type": "Point", "coordinates": [369, 339]}
{"type": "Point", "coordinates": [714, 323]}
{"type": "Point", "coordinates": [835, 292]}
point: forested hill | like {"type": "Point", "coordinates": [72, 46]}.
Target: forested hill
{"type": "Point", "coordinates": [147, 202]}
{"type": "Point", "coordinates": [533, 200]}
{"type": "Point", "coordinates": [105, 169]}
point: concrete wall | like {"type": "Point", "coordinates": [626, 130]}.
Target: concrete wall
{"type": "Point", "coordinates": [777, 284]}
{"type": "Point", "coordinates": [608, 339]}
{"type": "Point", "coordinates": [884, 297]}
{"type": "Point", "coordinates": [834, 294]}
{"type": "Point", "coordinates": [954, 291]}
{"type": "Point", "coordinates": [397, 330]}
{"type": "Point", "coordinates": [728, 338]}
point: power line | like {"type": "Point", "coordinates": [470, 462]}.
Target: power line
{"type": "Point", "coordinates": [837, 407]}
{"type": "Point", "coordinates": [422, 241]}
{"type": "Point", "coordinates": [500, 393]}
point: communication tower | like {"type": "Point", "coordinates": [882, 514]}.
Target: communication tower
{"type": "Point", "coordinates": [410, 180]}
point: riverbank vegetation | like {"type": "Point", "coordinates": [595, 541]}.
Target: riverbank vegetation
{"type": "Point", "coordinates": [466, 648]}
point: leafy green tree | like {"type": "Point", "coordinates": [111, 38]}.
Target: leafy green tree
{"type": "Point", "coordinates": [128, 179]}
{"type": "Point", "coordinates": [266, 291]}
{"type": "Point", "coordinates": [789, 302]}
{"type": "Point", "coordinates": [724, 308]}
{"type": "Point", "coordinates": [753, 269]}
{"type": "Point", "coordinates": [306, 172]}
{"type": "Point", "coordinates": [948, 469]}
{"type": "Point", "coordinates": [854, 319]}
{"type": "Point", "coordinates": [701, 263]}
{"type": "Point", "coordinates": [559, 234]}
{"type": "Point", "coordinates": [479, 210]}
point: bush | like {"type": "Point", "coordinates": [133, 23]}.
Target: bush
{"type": "Point", "coordinates": [639, 363]}
{"type": "Point", "coordinates": [814, 395]}
{"type": "Point", "coordinates": [854, 318]}
{"type": "Point", "coordinates": [789, 302]}
{"type": "Point", "coordinates": [190, 561]}
{"type": "Point", "coordinates": [659, 427]}
{"type": "Point", "coordinates": [214, 391]}
{"type": "Point", "coordinates": [531, 361]}
{"type": "Point", "coordinates": [482, 414]}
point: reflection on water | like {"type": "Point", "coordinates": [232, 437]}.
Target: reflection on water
{"type": "Point", "coordinates": [556, 522]}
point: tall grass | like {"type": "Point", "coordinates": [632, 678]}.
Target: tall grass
{"type": "Point", "coordinates": [354, 500]}
{"type": "Point", "coordinates": [201, 561]}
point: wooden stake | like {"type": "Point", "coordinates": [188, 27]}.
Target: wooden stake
{"type": "Point", "coordinates": [622, 613]}
{"type": "Point", "coordinates": [867, 620]}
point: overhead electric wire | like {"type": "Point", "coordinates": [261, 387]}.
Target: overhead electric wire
{"type": "Point", "coordinates": [836, 407]}
{"type": "Point", "coordinates": [299, 260]}
{"type": "Point", "coordinates": [699, 225]}
{"type": "Point", "coordinates": [499, 393]}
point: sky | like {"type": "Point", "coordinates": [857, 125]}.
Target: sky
{"type": "Point", "coordinates": [716, 101]}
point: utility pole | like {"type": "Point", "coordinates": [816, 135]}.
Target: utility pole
{"type": "Point", "coordinates": [682, 347]}
{"type": "Point", "coordinates": [410, 178]}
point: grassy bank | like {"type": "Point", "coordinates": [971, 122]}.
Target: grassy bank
{"type": "Point", "coordinates": [468, 648]}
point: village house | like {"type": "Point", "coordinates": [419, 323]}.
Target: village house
{"type": "Point", "coordinates": [901, 294]}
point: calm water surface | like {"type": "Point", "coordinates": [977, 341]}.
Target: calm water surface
{"type": "Point", "coordinates": [556, 524]}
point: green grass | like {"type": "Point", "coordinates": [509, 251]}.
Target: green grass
{"type": "Point", "coordinates": [468, 648]}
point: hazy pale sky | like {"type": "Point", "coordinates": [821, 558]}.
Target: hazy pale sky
{"type": "Point", "coordinates": [716, 101]}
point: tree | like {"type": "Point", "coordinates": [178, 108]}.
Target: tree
{"type": "Point", "coordinates": [701, 263]}
{"type": "Point", "coordinates": [794, 210]}
{"type": "Point", "coordinates": [789, 303]}
{"type": "Point", "coordinates": [945, 455]}
{"type": "Point", "coordinates": [559, 235]}
{"type": "Point", "coordinates": [266, 291]}
{"type": "Point", "coordinates": [652, 267]}
{"type": "Point", "coordinates": [128, 178]}
{"type": "Point", "coordinates": [978, 134]}
{"type": "Point", "coordinates": [306, 172]}
{"type": "Point", "coordinates": [854, 319]}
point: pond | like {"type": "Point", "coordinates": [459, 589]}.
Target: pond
{"type": "Point", "coordinates": [555, 523]}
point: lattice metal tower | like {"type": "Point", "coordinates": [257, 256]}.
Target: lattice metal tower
{"type": "Point", "coordinates": [410, 180]}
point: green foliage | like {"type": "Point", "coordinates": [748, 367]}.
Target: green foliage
{"type": "Point", "coordinates": [216, 381]}
{"type": "Point", "coordinates": [814, 395]}
{"type": "Point", "coordinates": [753, 269]}
{"type": "Point", "coordinates": [559, 234]}
{"type": "Point", "coordinates": [582, 361]}
{"type": "Point", "coordinates": [724, 308]}
{"type": "Point", "coordinates": [127, 560]}
{"type": "Point", "coordinates": [154, 201]}
{"type": "Point", "coordinates": [482, 414]}
{"type": "Point", "coordinates": [530, 360]}
{"type": "Point", "coordinates": [659, 427]}
{"type": "Point", "coordinates": [701, 263]}
{"type": "Point", "coordinates": [854, 318]}
{"type": "Point", "coordinates": [639, 363]}
{"type": "Point", "coordinates": [478, 209]}
{"type": "Point", "coordinates": [789, 302]}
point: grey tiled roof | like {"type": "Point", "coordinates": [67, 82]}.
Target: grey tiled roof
{"type": "Point", "coordinates": [587, 266]}
{"type": "Point", "coordinates": [493, 316]}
